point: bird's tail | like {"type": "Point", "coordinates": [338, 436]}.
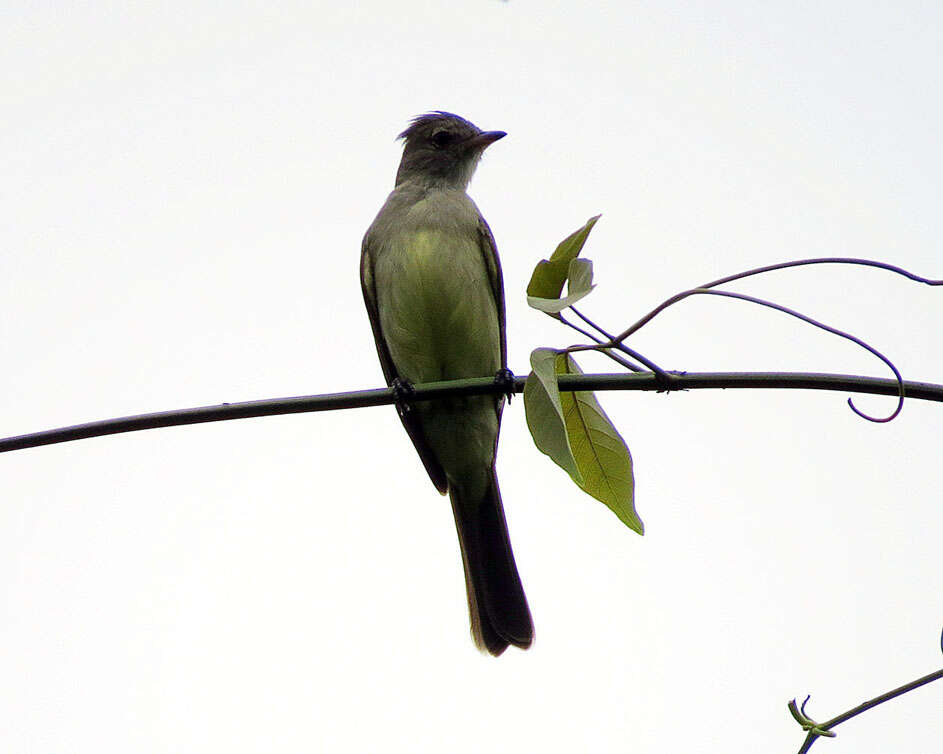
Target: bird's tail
{"type": "Point", "coordinates": [496, 602]}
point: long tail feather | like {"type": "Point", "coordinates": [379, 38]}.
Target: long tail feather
{"type": "Point", "coordinates": [496, 602]}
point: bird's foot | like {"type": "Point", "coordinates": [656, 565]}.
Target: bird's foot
{"type": "Point", "coordinates": [505, 378]}
{"type": "Point", "coordinates": [403, 392]}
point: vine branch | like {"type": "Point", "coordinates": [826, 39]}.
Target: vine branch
{"type": "Point", "coordinates": [477, 386]}
{"type": "Point", "coordinates": [824, 729]}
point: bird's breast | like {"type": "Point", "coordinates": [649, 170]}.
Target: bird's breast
{"type": "Point", "coordinates": [436, 303]}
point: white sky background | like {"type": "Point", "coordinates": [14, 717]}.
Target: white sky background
{"type": "Point", "coordinates": [183, 196]}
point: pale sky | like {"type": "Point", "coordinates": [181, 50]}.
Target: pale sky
{"type": "Point", "coordinates": [185, 187]}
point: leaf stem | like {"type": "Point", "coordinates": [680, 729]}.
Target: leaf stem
{"type": "Point", "coordinates": [606, 351]}
{"type": "Point", "coordinates": [613, 343]}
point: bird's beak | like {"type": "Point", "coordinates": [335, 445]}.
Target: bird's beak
{"type": "Point", "coordinates": [485, 138]}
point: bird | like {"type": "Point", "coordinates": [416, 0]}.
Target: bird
{"type": "Point", "coordinates": [434, 293]}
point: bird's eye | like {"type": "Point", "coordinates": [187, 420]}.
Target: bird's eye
{"type": "Point", "coordinates": [442, 138]}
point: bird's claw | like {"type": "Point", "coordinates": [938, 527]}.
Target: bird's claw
{"type": "Point", "coordinates": [505, 378]}
{"type": "Point", "coordinates": [403, 393]}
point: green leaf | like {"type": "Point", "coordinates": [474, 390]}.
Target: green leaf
{"type": "Point", "coordinates": [550, 274]}
{"type": "Point", "coordinates": [544, 411]}
{"type": "Point", "coordinates": [554, 305]}
{"type": "Point", "coordinates": [602, 457]}
{"type": "Point", "coordinates": [579, 285]}
{"type": "Point", "coordinates": [579, 277]}
{"type": "Point", "coordinates": [544, 280]}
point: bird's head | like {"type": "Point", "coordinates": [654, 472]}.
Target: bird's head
{"type": "Point", "coordinates": [442, 148]}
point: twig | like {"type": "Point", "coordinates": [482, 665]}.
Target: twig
{"type": "Point", "coordinates": [477, 386]}
{"type": "Point", "coordinates": [819, 729]}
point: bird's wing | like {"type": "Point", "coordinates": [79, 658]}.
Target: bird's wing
{"type": "Point", "coordinates": [409, 418]}
{"type": "Point", "coordinates": [489, 252]}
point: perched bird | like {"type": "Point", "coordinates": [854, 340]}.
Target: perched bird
{"type": "Point", "coordinates": [433, 288]}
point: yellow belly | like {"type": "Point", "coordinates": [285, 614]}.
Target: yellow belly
{"type": "Point", "coordinates": [437, 307]}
